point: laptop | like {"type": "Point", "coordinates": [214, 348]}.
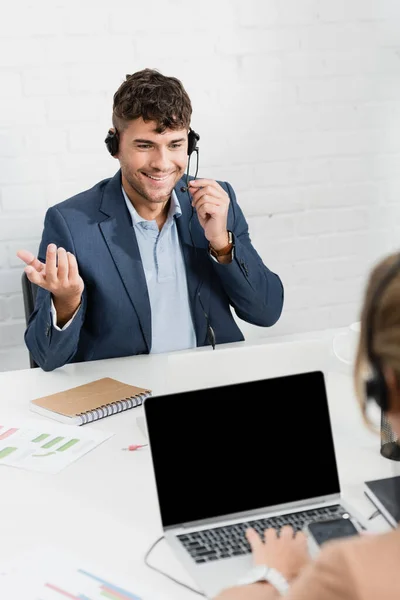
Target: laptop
{"type": "Point", "coordinates": [258, 453]}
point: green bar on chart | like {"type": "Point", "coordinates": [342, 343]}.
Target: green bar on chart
{"type": "Point", "coordinates": [68, 445]}
{"type": "Point", "coordinates": [6, 451]}
{"type": "Point", "coordinates": [41, 437]}
{"type": "Point", "coordinates": [52, 442]}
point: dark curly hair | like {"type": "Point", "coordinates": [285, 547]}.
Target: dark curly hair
{"type": "Point", "coordinates": [154, 97]}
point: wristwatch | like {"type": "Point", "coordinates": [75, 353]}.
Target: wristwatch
{"type": "Point", "coordinates": [225, 250]}
{"type": "Point", "coordinates": [268, 574]}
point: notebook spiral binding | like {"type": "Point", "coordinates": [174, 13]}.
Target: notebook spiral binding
{"type": "Point", "coordinates": [111, 409]}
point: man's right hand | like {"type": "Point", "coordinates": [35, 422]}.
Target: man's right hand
{"type": "Point", "coordinates": [59, 275]}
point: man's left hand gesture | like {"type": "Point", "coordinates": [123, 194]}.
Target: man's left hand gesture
{"type": "Point", "coordinates": [211, 203]}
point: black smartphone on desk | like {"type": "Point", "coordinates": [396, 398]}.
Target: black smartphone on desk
{"type": "Point", "coordinates": [323, 531]}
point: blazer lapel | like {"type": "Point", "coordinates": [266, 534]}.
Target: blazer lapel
{"type": "Point", "coordinates": [120, 238]}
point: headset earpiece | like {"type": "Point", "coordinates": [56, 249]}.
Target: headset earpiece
{"type": "Point", "coordinates": [193, 138]}
{"type": "Point", "coordinates": [112, 142]}
{"type": "Point", "coordinates": [376, 388]}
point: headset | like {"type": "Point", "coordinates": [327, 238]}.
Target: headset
{"type": "Point", "coordinates": [375, 385]}
{"type": "Point", "coordinates": [112, 142]}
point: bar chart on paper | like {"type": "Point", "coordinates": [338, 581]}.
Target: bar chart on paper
{"type": "Point", "coordinates": [37, 445]}
{"type": "Point", "coordinates": [82, 585]}
{"type": "Point", "coordinates": [52, 574]}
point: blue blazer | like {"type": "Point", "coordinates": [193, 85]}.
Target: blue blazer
{"type": "Point", "coordinates": [114, 317]}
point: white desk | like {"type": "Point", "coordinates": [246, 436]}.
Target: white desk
{"type": "Point", "coordinates": [104, 505]}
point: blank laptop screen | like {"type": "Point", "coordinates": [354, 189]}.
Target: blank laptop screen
{"type": "Point", "coordinates": [241, 447]}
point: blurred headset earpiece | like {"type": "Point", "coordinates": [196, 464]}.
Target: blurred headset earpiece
{"type": "Point", "coordinates": [375, 385]}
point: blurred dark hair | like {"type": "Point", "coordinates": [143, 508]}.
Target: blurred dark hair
{"type": "Point", "coordinates": [154, 97]}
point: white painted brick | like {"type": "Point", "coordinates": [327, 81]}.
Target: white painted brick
{"type": "Point", "coordinates": [253, 41]}
{"type": "Point", "coordinates": [271, 201]}
{"type": "Point", "coordinates": [103, 78]}
{"type": "Point", "coordinates": [172, 17]}
{"type": "Point", "coordinates": [329, 196]}
{"type": "Point", "coordinates": [77, 109]}
{"type": "Point", "coordinates": [273, 174]}
{"type": "Point", "coordinates": [277, 227]}
{"type": "Point", "coordinates": [256, 13]}
{"type": "Point", "coordinates": [323, 221]}
{"type": "Point", "coordinates": [294, 12]}
{"type": "Point", "coordinates": [336, 90]}
{"type": "Point", "coordinates": [44, 81]}
{"type": "Point", "coordinates": [12, 333]}
{"type": "Point", "coordinates": [241, 177]}
{"type": "Point", "coordinates": [86, 138]}
{"type": "Point", "coordinates": [10, 80]}
{"type": "Point", "coordinates": [21, 111]}
{"type": "Point", "coordinates": [379, 61]}
{"type": "Point", "coordinates": [26, 244]}
{"type": "Point", "coordinates": [88, 168]}
{"type": "Point", "coordinates": [342, 117]}
{"type": "Point", "coordinates": [348, 244]}
{"type": "Point", "coordinates": [352, 36]}
{"type": "Point", "coordinates": [87, 49]}
{"type": "Point", "coordinates": [10, 281]}
{"type": "Point", "coordinates": [61, 191]}
{"type": "Point", "coordinates": [3, 309]}
{"type": "Point", "coordinates": [349, 89]}
{"type": "Point", "coordinates": [20, 227]}
{"type": "Point", "coordinates": [24, 198]}
{"type": "Point", "coordinates": [88, 21]}
{"type": "Point", "coordinates": [15, 306]}
{"type": "Point", "coordinates": [46, 140]}
{"type": "Point", "coordinates": [21, 51]}
{"type": "Point", "coordinates": [26, 170]}
{"type": "Point", "coordinates": [297, 249]}
{"type": "Point", "coordinates": [352, 169]}
{"type": "Point", "coordinates": [14, 358]}
{"type": "Point", "coordinates": [308, 319]}
{"type": "Point", "coordinates": [22, 20]}
{"type": "Point", "coordinates": [340, 10]}
{"type": "Point", "coordinates": [344, 314]}
{"type": "Point", "coordinates": [11, 142]}
{"type": "Point", "coordinates": [253, 65]}
{"type": "Point", "coordinates": [3, 255]}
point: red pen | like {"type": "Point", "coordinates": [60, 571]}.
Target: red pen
{"type": "Point", "coordinates": [133, 447]}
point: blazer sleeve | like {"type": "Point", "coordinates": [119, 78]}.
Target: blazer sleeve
{"type": "Point", "coordinates": [255, 292]}
{"type": "Point", "coordinates": [49, 347]}
{"type": "Point", "coordinates": [329, 577]}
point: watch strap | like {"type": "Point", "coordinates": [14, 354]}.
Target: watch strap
{"type": "Point", "coordinates": [225, 250]}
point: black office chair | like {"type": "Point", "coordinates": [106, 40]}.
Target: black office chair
{"type": "Point", "coordinates": [29, 291]}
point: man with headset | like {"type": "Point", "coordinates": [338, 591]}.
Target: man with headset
{"type": "Point", "coordinates": [149, 260]}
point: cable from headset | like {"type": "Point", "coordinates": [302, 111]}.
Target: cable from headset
{"type": "Point", "coordinates": [146, 562]}
{"type": "Point", "coordinates": [210, 331]}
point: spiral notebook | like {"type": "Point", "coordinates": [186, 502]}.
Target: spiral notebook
{"type": "Point", "coordinates": [90, 402]}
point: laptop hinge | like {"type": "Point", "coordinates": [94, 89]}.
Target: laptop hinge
{"type": "Point", "coordinates": [265, 511]}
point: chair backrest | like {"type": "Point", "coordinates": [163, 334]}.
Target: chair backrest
{"type": "Point", "coordinates": [29, 291]}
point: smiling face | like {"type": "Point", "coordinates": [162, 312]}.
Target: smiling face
{"type": "Point", "coordinates": [151, 163]}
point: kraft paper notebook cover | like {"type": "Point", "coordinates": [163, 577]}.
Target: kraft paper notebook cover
{"type": "Point", "coordinates": [90, 402]}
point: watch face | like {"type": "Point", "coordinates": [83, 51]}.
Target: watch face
{"type": "Point", "coordinates": [257, 573]}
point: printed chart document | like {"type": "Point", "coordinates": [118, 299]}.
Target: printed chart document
{"type": "Point", "coordinates": [51, 574]}
{"type": "Point", "coordinates": [46, 447]}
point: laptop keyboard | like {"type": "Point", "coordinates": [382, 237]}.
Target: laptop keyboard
{"type": "Point", "coordinates": [230, 540]}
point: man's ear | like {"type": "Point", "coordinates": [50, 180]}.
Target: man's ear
{"type": "Point", "coordinates": [393, 388]}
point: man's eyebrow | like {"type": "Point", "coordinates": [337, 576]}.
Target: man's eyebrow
{"type": "Point", "coordinates": [142, 141]}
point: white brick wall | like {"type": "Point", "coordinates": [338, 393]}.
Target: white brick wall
{"type": "Point", "coordinates": [297, 103]}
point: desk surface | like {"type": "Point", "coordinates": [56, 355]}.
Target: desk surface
{"type": "Point", "coordinates": [104, 506]}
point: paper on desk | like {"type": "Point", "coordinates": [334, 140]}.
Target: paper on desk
{"type": "Point", "coordinates": [49, 573]}
{"type": "Point", "coordinates": [44, 446]}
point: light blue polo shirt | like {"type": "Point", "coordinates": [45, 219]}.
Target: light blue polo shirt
{"type": "Point", "coordinates": [164, 268]}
